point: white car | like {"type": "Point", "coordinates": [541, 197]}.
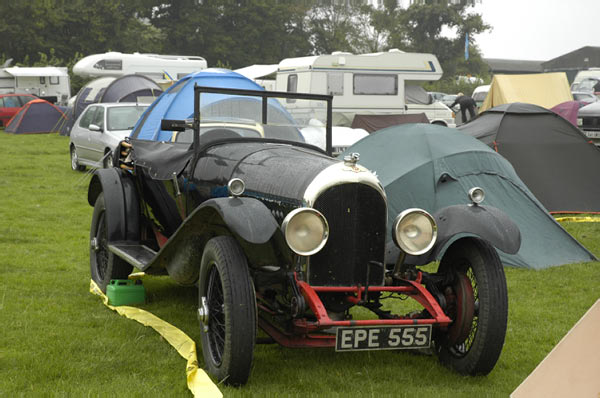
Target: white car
{"type": "Point", "coordinates": [341, 137]}
{"type": "Point", "coordinates": [98, 130]}
{"type": "Point", "coordinates": [585, 96]}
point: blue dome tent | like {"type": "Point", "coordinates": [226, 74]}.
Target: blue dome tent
{"type": "Point", "coordinates": [177, 102]}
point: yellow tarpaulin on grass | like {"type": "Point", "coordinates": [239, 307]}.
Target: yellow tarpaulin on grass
{"type": "Point", "coordinates": [578, 219]}
{"type": "Point", "coordinates": [543, 89]}
{"type": "Point", "coordinates": [197, 380]}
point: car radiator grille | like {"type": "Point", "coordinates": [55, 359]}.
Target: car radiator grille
{"type": "Point", "coordinates": [357, 217]}
{"type": "Point", "coordinates": [591, 123]}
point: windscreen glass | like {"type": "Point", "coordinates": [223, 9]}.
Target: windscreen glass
{"type": "Point", "coordinates": [234, 116]}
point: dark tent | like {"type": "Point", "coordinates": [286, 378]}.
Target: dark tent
{"type": "Point", "coordinates": [37, 116]}
{"type": "Point", "coordinates": [128, 88]}
{"type": "Point", "coordinates": [373, 123]}
{"type": "Point", "coordinates": [64, 125]}
{"type": "Point", "coordinates": [552, 157]}
{"type": "Point", "coordinates": [131, 88]}
{"type": "Point", "coordinates": [88, 94]}
{"type": "Point", "coordinates": [431, 167]}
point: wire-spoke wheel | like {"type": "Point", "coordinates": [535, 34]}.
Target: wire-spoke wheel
{"type": "Point", "coordinates": [104, 265]}
{"type": "Point", "coordinates": [227, 311]}
{"type": "Point", "coordinates": [477, 302]}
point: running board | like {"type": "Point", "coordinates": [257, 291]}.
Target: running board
{"type": "Point", "coordinates": [138, 255]}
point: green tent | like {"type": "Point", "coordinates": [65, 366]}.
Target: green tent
{"type": "Point", "coordinates": [431, 167]}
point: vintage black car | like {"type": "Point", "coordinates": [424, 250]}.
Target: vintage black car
{"type": "Point", "coordinates": [278, 234]}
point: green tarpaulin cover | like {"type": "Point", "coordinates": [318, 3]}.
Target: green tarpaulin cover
{"type": "Point", "coordinates": [431, 167]}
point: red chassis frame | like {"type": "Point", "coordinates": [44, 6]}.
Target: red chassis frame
{"type": "Point", "coordinates": [304, 332]}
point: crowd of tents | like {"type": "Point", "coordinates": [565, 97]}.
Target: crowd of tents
{"type": "Point", "coordinates": [531, 161]}
{"type": "Point", "coordinates": [41, 116]}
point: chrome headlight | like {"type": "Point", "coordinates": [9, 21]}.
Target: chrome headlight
{"type": "Point", "coordinates": [306, 231]}
{"type": "Point", "coordinates": [414, 231]}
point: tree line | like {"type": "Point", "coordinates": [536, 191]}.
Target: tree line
{"type": "Point", "coordinates": [237, 33]}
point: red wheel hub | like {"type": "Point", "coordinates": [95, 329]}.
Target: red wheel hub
{"type": "Point", "coordinates": [461, 305]}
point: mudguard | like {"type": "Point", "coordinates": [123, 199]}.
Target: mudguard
{"type": "Point", "coordinates": [247, 218]}
{"type": "Point", "coordinates": [122, 205]}
{"type": "Point", "coordinates": [459, 221]}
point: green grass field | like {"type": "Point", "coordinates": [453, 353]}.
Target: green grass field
{"type": "Point", "coordinates": [57, 339]}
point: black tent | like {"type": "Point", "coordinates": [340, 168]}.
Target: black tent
{"type": "Point", "coordinates": [64, 125]}
{"type": "Point", "coordinates": [128, 88]}
{"type": "Point", "coordinates": [131, 88]}
{"type": "Point", "coordinates": [551, 156]}
{"type": "Point", "coordinates": [88, 94]}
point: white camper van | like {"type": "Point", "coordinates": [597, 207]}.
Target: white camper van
{"type": "Point", "coordinates": [378, 83]}
{"type": "Point", "coordinates": [584, 79]}
{"type": "Point", "coordinates": [155, 66]}
{"type": "Point", "coordinates": [50, 82]}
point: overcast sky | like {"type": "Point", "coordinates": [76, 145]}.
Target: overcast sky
{"type": "Point", "coordinates": [538, 29]}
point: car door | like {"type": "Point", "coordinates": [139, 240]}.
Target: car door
{"type": "Point", "coordinates": [81, 135]}
{"type": "Point", "coordinates": [96, 137]}
{"type": "Point", "coordinates": [10, 107]}
{"type": "Point", "coordinates": [3, 113]}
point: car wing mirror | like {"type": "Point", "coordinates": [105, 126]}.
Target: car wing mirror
{"type": "Point", "coordinates": [94, 127]}
{"type": "Point", "coordinates": [175, 125]}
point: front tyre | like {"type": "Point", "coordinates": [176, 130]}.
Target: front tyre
{"type": "Point", "coordinates": [227, 311]}
{"type": "Point", "coordinates": [104, 265]}
{"type": "Point", "coordinates": [477, 302]}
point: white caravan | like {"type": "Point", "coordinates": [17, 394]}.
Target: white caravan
{"type": "Point", "coordinates": [50, 82]}
{"type": "Point", "coordinates": [155, 66]}
{"type": "Point", "coordinates": [365, 84]}
{"type": "Point", "coordinates": [261, 74]}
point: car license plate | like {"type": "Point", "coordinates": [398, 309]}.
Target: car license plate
{"type": "Point", "coordinates": [592, 134]}
{"type": "Point", "coordinates": [383, 337]}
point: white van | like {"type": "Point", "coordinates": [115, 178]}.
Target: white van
{"type": "Point", "coordinates": [50, 82]}
{"type": "Point", "coordinates": [156, 67]}
{"type": "Point", "coordinates": [587, 75]}
{"type": "Point", "coordinates": [365, 84]}
{"type": "Point", "coordinates": [479, 94]}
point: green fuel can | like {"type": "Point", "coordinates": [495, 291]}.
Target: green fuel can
{"type": "Point", "coordinates": [125, 292]}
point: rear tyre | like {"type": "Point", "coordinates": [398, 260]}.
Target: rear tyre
{"type": "Point", "coordinates": [75, 166]}
{"type": "Point", "coordinates": [477, 302]}
{"type": "Point", "coordinates": [227, 311]}
{"type": "Point", "coordinates": [108, 160]}
{"type": "Point", "coordinates": [104, 265]}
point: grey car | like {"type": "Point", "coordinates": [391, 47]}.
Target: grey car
{"type": "Point", "coordinates": [98, 130]}
{"type": "Point", "coordinates": [588, 120]}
